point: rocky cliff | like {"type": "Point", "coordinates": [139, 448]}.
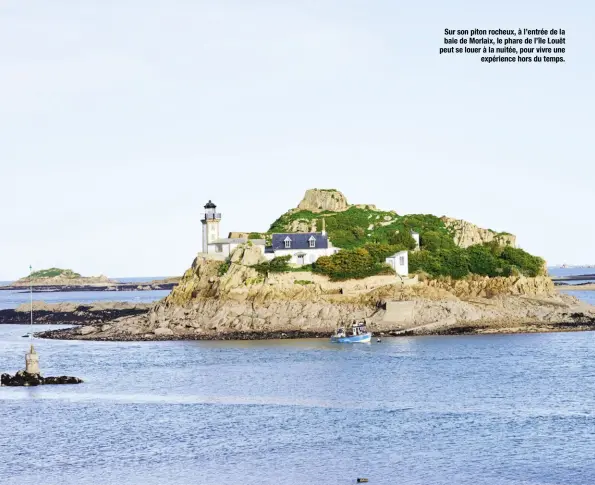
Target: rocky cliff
{"type": "Point", "coordinates": [467, 234]}
{"type": "Point", "coordinates": [233, 300]}
{"type": "Point", "coordinates": [319, 200]}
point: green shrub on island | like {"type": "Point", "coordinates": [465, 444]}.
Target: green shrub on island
{"type": "Point", "coordinates": [223, 267]}
{"type": "Point", "coordinates": [526, 263]}
{"type": "Point", "coordinates": [487, 259]}
{"type": "Point", "coordinates": [383, 233]}
{"type": "Point", "coordinates": [454, 262]}
{"type": "Point", "coordinates": [403, 240]}
{"type": "Point", "coordinates": [444, 262]}
{"type": "Point", "coordinates": [254, 281]}
{"type": "Point", "coordinates": [254, 235]}
{"type": "Point", "coordinates": [52, 272]}
{"type": "Point", "coordinates": [379, 252]}
{"type": "Point", "coordinates": [357, 226]}
{"type": "Point", "coordinates": [350, 264]}
{"type": "Point", "coordinates": [483, 261]}
{"type": "Point", "coordinates": [436, 240]}
{"type": "Point", "coordinates": [279, 264]}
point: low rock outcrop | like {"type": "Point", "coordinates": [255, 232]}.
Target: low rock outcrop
{"type": "Point", "coordinates": [22, 378]}
{"type": "Point", "coordinates": [61, 313]}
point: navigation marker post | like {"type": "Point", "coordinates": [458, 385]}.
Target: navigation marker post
{"type": "Point", "coordinates": [31, 358]}
{"type": "Point", "coordinates": [31, 299]}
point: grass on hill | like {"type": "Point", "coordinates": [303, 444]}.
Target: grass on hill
{"type": "Point", "coordinates": [52, 272]}
{"type": "Point", "coordinates": [367, 236]}
{"type": "Point", "coordinates": [357, 226]}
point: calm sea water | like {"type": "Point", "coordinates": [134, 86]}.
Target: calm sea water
{"type": "Point", "coordinates": [588, 296]}
{"type": "Point", "coordinates": [497, 410]}
{"type": "Point", "coordinates": [566, 272]}
{"type": "Point", "coordinates": [13, 298]}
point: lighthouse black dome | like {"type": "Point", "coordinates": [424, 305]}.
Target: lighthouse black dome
{"type": "Point", "coordinates": [210, 205]}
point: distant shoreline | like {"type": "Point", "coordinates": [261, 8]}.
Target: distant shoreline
{"type": "Point", "coordinates": [581, 287]}
{"type": "Point", "coordinates": [137, 286]}
{"type": "Point", "coordinates": [581, 277]}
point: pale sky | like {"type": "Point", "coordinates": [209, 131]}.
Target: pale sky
{"type": "Point", "coordinates": [120, 119]}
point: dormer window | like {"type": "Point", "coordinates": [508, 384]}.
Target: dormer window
{"type": "Point", "coordinates": [312, 241]}
{"type": "Point", "coordinates": [287, 241]}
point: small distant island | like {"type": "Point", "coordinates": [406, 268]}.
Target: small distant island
{"type": "Point", "coordinates": [61, 277]}
{"type": "Point", "coordinates": [58, 279]}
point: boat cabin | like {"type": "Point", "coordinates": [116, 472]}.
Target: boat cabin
{"type": "Point", "coordinates": [358, 328]}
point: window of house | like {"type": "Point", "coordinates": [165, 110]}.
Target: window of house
{"type": "Point", "coordinates": [287, 243]}
{"type": "Point", "coordinates": [402, 260]}
{"type": "Point", "coordinates": [312, 241]}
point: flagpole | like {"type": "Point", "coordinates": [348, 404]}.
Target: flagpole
{"type": "Point", "coordinates": [31, 299]}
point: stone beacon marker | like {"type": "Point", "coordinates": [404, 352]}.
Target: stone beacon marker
{"type": "Point", "coordinates": [32, 362]}
{"type": "Point", "coordinates": [31, 376]}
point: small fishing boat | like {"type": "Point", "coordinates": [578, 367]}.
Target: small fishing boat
{"type": "Point", "coordinates": [359, 334]}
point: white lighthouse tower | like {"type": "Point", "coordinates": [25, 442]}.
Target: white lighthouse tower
{"type": "Point", "coordinates": [210, 225]}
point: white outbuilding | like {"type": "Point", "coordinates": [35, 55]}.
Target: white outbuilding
{"type": "Point", "coordinates": [399, 262]}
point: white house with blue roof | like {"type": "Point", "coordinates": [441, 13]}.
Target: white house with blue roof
{"type": "Point", "coordinates": [303, 247]}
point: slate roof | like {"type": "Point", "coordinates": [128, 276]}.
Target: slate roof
{"type": "Point", "coordinates": [227, 240]}
{"type": "Point", "coordinates": [238, 240]}
{"type": "Point", "coordinates": [299, 240]}
{"type": "Point", "coordinates": [210, 205]}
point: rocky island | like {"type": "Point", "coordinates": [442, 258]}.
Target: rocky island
{"type": "Point", "coordinates": [60, 277]}
{"type": "Point", "coordinates": [57, 279]}
{"type": "Point", "coordinates": [462, 280]}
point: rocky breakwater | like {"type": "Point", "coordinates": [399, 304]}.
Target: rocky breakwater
{"type": "Point", "coordinates": [217, 300]}
{"type": "Point", "coordinates": [70, 313]}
